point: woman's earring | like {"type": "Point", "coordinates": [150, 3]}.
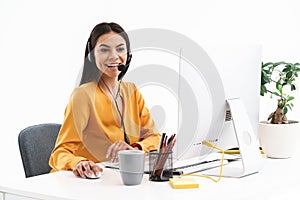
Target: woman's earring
{"type": "Point", "coordinates": [89, 50]}
{"type": "Point", "coordinates": [89, 57]}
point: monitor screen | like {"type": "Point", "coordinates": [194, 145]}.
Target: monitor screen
{"type": "Point", "coordinates": [185, 86]}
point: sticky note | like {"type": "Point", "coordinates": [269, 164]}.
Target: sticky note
{"type": "Point", "coordinates": [183, 182]}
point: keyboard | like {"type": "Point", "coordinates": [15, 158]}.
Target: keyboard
{"type": "Point", "coordinates": [115, 165]}
{"type": "Point", "coordinates": [187, 166]}
{"type": "Point", "coordinates": [198, 166]}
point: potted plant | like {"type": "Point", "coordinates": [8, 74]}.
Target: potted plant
{"type": "Point", "coordinates": [278, 135]}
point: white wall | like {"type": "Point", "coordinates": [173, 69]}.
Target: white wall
{"type": "Point", "coordinates": [42, 46]}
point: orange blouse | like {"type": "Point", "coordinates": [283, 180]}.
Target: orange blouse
{"type": "Point", "coordinates": [92, 123]}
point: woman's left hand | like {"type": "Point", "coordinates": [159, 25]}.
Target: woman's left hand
{"type": "Point", "coordinates": [113, 150]}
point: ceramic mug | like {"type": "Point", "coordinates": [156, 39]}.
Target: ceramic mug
{"type": "Point", "coordinates": [131, 166]}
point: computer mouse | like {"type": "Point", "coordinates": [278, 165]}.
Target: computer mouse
{"type": "Point", "coordinates": [92, 175]}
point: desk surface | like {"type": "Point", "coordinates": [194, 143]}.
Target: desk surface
{"type": "Point", "coordinates": [279, 179]}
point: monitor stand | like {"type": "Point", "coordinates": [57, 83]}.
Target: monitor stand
{"type": "Point", "coordinates": [251, 158]}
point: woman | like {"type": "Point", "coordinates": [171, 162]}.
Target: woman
{"type": "Point", "coordinates": [104, 115]}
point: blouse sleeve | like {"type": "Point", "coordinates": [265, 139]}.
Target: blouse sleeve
{"type": "Point", "coordinates": [69, 138]}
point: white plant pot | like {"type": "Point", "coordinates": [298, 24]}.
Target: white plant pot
{"type": "Point", "coordinates": [279, 140]}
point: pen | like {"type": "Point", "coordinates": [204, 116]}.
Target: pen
{"type": "Point", "coordinates": [171, 138]}
{"type": "Point", "coordinates": [162, 138]}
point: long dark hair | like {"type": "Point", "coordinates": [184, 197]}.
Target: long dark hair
{"type": "Point", "coordinates": [90, 71]}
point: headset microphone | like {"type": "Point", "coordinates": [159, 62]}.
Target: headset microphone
{"type": "Point", "coordinates": [121, 68]}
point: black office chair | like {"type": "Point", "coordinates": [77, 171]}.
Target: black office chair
{"type": "Point", "coordinates": [36, 143]}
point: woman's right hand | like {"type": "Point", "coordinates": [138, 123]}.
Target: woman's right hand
{"type": "Point", "coordinates": [88, 166]}
{"type": "Point", "coordinates": [113, 150]}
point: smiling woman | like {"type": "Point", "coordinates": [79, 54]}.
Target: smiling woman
{"type": "Point", "coordinates": [104, 115]}
{"type": "Point", "coordinates": [42, 52]}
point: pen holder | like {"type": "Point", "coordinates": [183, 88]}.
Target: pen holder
{"type": "Point", "coordinates": [160, 166]}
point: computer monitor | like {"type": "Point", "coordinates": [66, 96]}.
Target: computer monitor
{"type": "Point", "coordinates": [187, 86]}
{"type": "Point", "coordinates": [239, 68]}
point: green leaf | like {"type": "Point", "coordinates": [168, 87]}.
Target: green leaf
{"type": "Point", "coordinates": [287, 68]}
{"type": "Point", "coordinates": [289, 106]}
{"type": "Point", "coordinates": [279, 87]}
{"type": "Point", "coordinates": [283, 84]}
{"type": "Point", "coordinates": [290, 98]}
{"type": "Point", "coordinates": [293, 87]}
{"type": "Point", "coordinates": [266, 79]}
{"type": "Point", "coordinates": [266, 64]}
{"type": "Point", "coordinates": [268, 72]}
{"type": "Point", "coordinates": [285, 110]}
{"type": "Point", "coordinates": [276, 93]}
{"type": "Point", "coordinates": [289, 75]}
{"type": "Point", "coordinates": [263, 90]}
{"type": "Point", "coordinates": [279, 63]}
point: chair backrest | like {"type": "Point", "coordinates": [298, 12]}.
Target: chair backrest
{"type": "Point", "coordinates": [36, 144]}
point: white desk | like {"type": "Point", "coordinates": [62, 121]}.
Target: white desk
{"type": "Point", "coordinates": [279, 179]}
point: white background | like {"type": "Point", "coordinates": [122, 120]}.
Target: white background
{"type": "Point", "coordinates": [42, 47]}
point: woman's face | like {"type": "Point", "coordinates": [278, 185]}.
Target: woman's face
{"type": "Point", "coordinates": [110, 52]}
